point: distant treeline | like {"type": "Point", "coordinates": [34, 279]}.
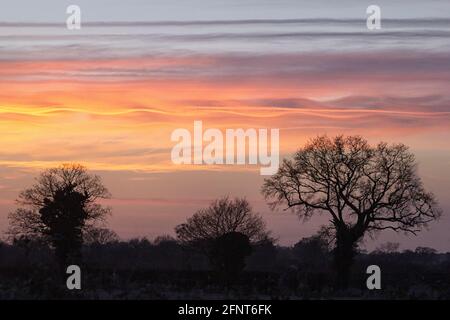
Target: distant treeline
{"type": "Point", "coordinates": [165, 269]}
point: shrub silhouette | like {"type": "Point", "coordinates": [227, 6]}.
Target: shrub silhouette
{"type": "Point", "coordinates": [228, 255]}
{"type": "Point", "coordinates": [64, 217]}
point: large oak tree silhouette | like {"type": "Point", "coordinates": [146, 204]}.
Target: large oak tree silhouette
{"type": "Point", "coordinates": [363, 188]}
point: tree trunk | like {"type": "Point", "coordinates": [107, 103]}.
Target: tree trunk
{"type": "Point", "coordinates": [343, 257]}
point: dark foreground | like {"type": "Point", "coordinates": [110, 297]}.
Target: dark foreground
{"type": "Point", "coordinates": [140, 269]}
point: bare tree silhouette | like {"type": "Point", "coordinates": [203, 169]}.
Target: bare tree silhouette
{"type": "Point", "coordinates": [224, 232]}
{"type": "Point", "coordinates": [93, 235]}
{"type": "Point", "coordinates": [363, 188]}
{"type": "Point", "coordinates": [58, 208]}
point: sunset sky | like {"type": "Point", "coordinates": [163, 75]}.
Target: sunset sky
{"type": "Point", "coordinates": [109, 95]}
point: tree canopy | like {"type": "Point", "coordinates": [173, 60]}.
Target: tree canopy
{"type": "Point", "coordinates": [360, 186]}
{"type": "Point", "coordinates": [221, 217]}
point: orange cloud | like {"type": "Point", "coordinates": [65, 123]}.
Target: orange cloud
{"type": "Point", "coordinates": [118, 114]}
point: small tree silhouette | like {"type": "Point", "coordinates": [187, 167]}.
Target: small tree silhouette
{"type": "Point", "coordinates": [223, 232]}
{"type": "Point", "coordinates": [98, 236]}
{"type": "Point", "coordinates": [362, 188]}
{"type": "Point", "coordinates": [58, 208]}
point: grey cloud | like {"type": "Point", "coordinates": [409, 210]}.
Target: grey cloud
{"type": "Point", "coordinates": [389, 22]}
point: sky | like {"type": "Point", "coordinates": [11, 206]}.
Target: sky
{"type": "Point", "coordinates": [109, 95]}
